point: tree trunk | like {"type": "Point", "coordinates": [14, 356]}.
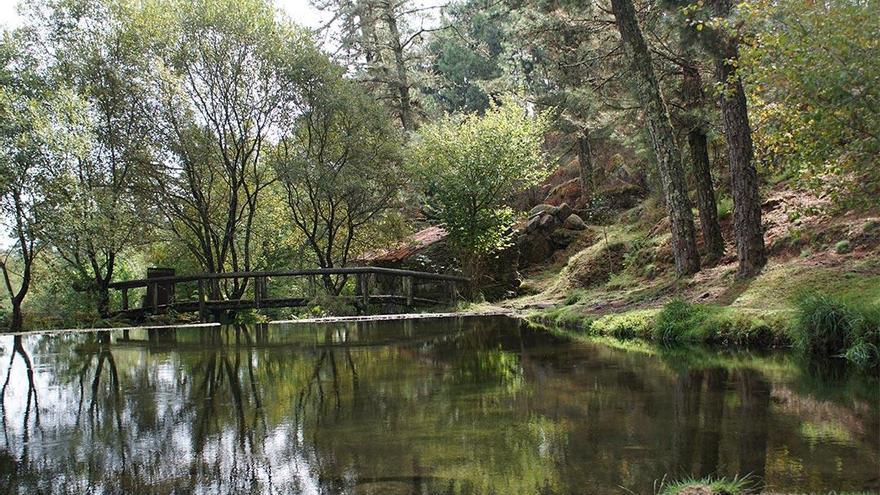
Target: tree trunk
{"type": "Point", "coordinates": [104, 301]}
{"type": "Point", "coordinates": [692, 92]}
{"type": "Point", "coordinates": [585, 164]}
{"type": "Point", "coordinates": [743, 176]}
{"type": "Point", "coordinates": [678, 205]}
{"type": "Point", "coordinates": [16, 323]}
{"type": "Point", "coordinates": [402, 82]}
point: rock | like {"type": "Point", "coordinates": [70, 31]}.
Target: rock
{"type": "Point", "coordinates": [542, 209]}
{"type": "Point", "coordinates": [564, 211]}
{"type": "Point", "coordinates": [547, 222]}
{"type": "Point", "coordinates": [533, 249]}
{"type": "Point", "coordinates": [533, 223]}
{"type": "Point", "coordinates": [574, 222]}
{"type": "Point", "coordinates": [563, 237]}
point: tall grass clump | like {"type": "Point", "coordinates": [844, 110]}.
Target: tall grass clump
{"type": "Point", "coordinates": [732, 486]}
{"type": "Point", "coordinates": [829, 327]}
{"type": "Point", "coordinates": [677, 321]}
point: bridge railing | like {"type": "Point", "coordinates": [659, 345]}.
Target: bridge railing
{"type": "Point", "coordinates": [207, 284]}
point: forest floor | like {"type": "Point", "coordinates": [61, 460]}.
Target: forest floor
{"type": "Point", "coordinates": [625, 268]}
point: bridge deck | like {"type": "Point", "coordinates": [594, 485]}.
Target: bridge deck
{"type": "Point", "coordinates": [208, 285]}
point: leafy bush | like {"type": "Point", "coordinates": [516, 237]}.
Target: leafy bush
{"type": "Point", "coordinates": [826, 327]}
{"type": "Point", "coordinates": [842, 247]}
{"type": "Point", "coordinates": [469, 164]}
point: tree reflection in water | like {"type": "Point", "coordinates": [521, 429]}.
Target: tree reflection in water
{"type": "Point", "coordinates": [458, 406]}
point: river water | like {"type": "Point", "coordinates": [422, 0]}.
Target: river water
{"type": "Point", "coordinates": [461, 406]}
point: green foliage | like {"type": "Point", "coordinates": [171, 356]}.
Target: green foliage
{"type": "Point", "coordinates": [725, 207]}
{"type": "Point", "coordinates": [631, 324]}
{"type": "Point", "coordinates": [826, 327]}
{"type": "Point", "coordinates": [471, 164]}
{"type": "Point", "coordinates": [341, 172]}
{"type": "Point", "coordinates": [325, 304]}
{"type": "Point", "coordinates": [813, 72]}
{"type": "Point", "coordinates": [842, 247]}
{"type": "Point", "coordinates": [677, 320]}
{"type": "Point", "coordinates": [708, 485]}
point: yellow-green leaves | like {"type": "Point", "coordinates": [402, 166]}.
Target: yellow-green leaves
{"type": "Point", "coordinates": [471, 164]}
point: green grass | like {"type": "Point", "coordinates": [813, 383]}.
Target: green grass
{"type": "Point", "coordinates": [733, 486]}
{"type": "Point", "coordinates": [679, 322]}
{"type": "Point", "coordinates": [828, 326]}
{"type": "Point", "coordinates": [725, 207]}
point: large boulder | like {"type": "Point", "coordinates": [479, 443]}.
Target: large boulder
{"type": "Point", "coordinates": [543, 209]}
{"type": "Point", "coordinates": [534, 249]}
{"type": "Point", "coordinates": [547, 222]}
{"type": "Point", "coordinates": [574, 222]}
{"type": "Point", "coordinates": [563, 212]}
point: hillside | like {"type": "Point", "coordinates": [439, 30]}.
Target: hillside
{"type": "Point", "coordinates": [624, 265]}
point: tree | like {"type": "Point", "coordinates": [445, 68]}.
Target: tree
{"type": "Point", "coordinates": [97, 213]}
{"type": "Point", "coordinates": [470, 165]}
{"type": "Point", "coordinates": [813, 76]}
{"type": "Point", "coordinates": [692, 95]}
{"type": "Point", "coordinates": [228, 71]}
{"type": "Point", "coordinates": [379, 39]}
{"type": "Point", "coordinates": [23, 163]}
{"type": "Point", "coordinates": [743, 176]}
{"type": "Point", "coordinates": [341, 171]}
{"type": "Point", "coordinates": [684, 246]}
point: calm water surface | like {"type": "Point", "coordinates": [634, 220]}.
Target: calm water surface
{"type": "Point", "coordinates": [464, 406]}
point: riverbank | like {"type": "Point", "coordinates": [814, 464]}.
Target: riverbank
{"type": "Point", "coordinates": [818, 318]}
{"type": "Point", "coordinates": [821, 282]}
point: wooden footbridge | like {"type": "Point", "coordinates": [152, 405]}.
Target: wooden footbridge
{"type": "Point", "coordinates": [203, 293]}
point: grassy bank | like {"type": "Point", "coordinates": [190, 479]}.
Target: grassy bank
{"type": "Point", "coordinates": [819, 326]}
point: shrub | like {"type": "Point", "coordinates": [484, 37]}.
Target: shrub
{"type": "Point", "coordinates": [842, 247]}
{"type": "Point", "coordinates": [826, 327]}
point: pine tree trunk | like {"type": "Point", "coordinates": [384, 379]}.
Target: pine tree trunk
{"type": "Point", "coordinates": [743, 176]}
{"type": "Point", "coordinates": [692, 93]}
{"type": "Point", "coordinates": [678, 205]}
{"type": "Point", "coordinates": [585, 164]}
{"type": "Point", "coordinates": [402, 81]}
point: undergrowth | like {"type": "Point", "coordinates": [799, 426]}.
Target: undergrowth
{"type": "Point", "coordinates": [832, 327]}
{"type": "Point", "coordinates": [732, 486]}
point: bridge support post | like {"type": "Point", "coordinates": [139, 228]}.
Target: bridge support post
{"type": "Point", "coordinates": [154, 290]}
{"type": "Point", "coordinates": [364, 281]}
{"type": "Point", "coordinates": [313, 287]}
{"type": "Point", "coordinates": [258, 291]}
{"type": "Point", "coordinates": [125, 299]}
{"type": "Point", "coordinates": [201, 300]}
{"type": "Point", "coordinates": [408, 290]}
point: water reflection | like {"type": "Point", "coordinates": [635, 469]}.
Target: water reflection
{"type": "Point", "coordinates": [480, 405]}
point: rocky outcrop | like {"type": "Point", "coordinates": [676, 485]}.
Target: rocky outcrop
{"type": "Point", "coordinates": [548, 229]}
